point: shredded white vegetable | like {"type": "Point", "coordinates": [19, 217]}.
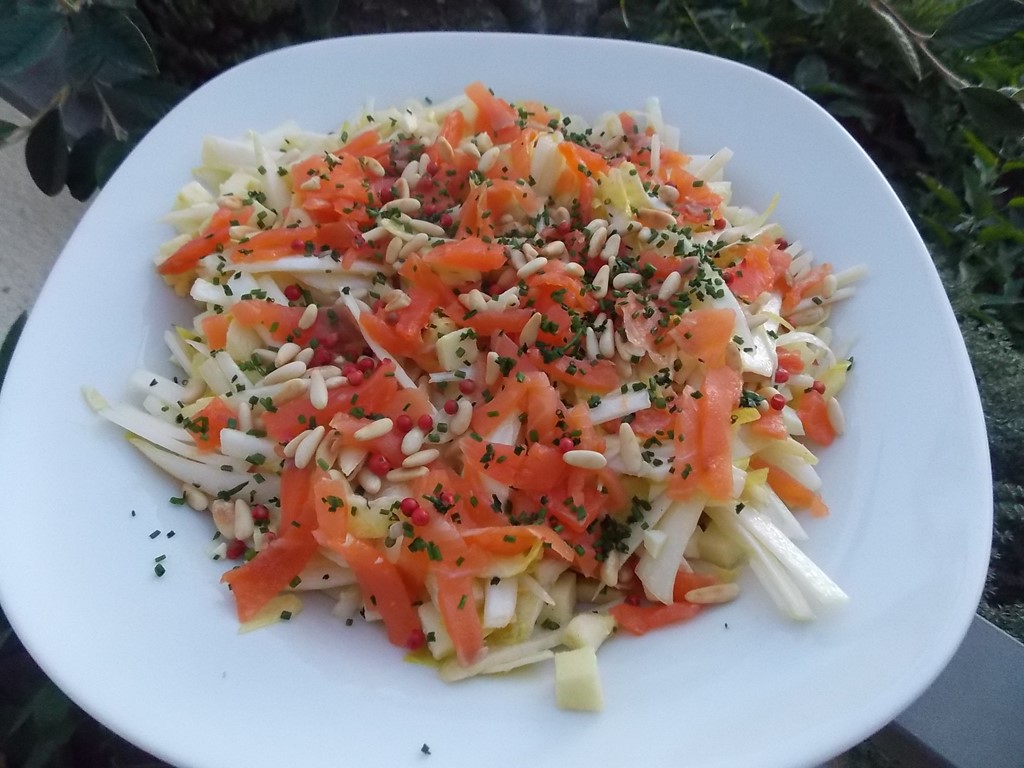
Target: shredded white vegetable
{"type": "Point", "coordinates": [493, 368]}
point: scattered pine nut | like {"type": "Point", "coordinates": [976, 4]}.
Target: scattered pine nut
{"type": "Point", "coordinates": [585, 459]}
{"type": "Point", "coordinates": [532, 267]}
{"type": "Point", "coordinates": [317, 389]}
{"type": "Point", "coordinates": [374, 429]}
{"type": "Point", "coordinates": [421, 458]}
{"type": "Point", "coordinates": [307, 448]}
{"type": "Point", "coordinates": [291, 370]}
{"type": "Point", "coordinates": [308, 317]}
{"type": "Point", "coordinates": [286, 353]}
{"type": "Point", "coordinates": [713, 594]}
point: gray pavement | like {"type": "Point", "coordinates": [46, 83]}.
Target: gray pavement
{"type": "Point", "coordinates": [33, 229]}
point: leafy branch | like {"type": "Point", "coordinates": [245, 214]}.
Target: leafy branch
{"type": "Point", "coordinates": [99, 50]}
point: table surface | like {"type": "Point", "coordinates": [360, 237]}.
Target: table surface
{"type": "Point", "coordinates": [34, 229]}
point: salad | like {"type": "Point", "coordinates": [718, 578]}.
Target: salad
{"type": "Point", "coordinates": [502, 380]}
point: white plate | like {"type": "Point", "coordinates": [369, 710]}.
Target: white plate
{"type": "Point", "coordinates": [160, 660]}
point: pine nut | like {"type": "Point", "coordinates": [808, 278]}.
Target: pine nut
{"type": "Point", "coordinates": [244, 416]}
{"type": "Point", "coordinates": [369, 481]}
{"type": "Point", "coordinates": [419, 240]}
{"type": "Point", "coordinates": [292, 445]}
{"type": "Point", "coordinates": [473, 299]}
{"type": "Point", "coordinates": [305, 450]}
{"type": "Point", "coordinates": [413, 441]}
{"type": "Point", "coordinates": [406, 473]}
{"type": "Point", "coordinates": [626, 279]}
{"type": "Point", "coordinates": [195, 498]}
{"type": "Point", "coordinates": [461, 420]}
{"type": "Point", "coordinates": [517, 258]}
{"type": "Point", "coordinates": [532, 267]}
{"type": "Point", "coordinates": [488, 159]}
{"type": "Point", "coordinates": [444, 149]}
{"type": "Point", "coordinates": [288, 371]}
{"type": "Point", "coordinates": [554, 249]}
{"type": "Point", "coordinates": [606, 343]}
{"type": "Point", "coordinates": [374, 429]}
{"type": "Point", "coordinates": [394, 250]}
{"type": "Point", "coordinates": [668, 194]}
{"type": "Point", "coordinates": [373, 166]}
{"type": "Point", "coordinates": [289, 390]}
{"type": "Point", "coordinates": [574, 269]}
{"type": "Point", "coordinates": [421, 458]}
{"type": "Point", "coordinates": [403, 204]}
{"type": "Point", "coordinates": [509, 298]}
{"type": "Point", "coordinates": [375, 234]}
{"type": "Point", "coordinates": [590, 339]}
{"type": "Point", "coordinates": [243, 520]}
{"type": "Point", "coordinates": [491, 369]}
{"type": "Point", "coordinates": [528, 336]}
{"type": "Point", "coordinates": [601, 281]}
{"type": "Point", "coordinates": [629, 449]}
{"type": "Point", "coordinates": [611, 247]}
{"type": "Point", "coordinates": [427, 228]}
{"type": "Point", "coordinates": [286, 353]}
{"type": "Point", "coordinates": [223, 513]}
{"type": "Point", "coordinates": [317, 389]}
{"type": "Point", "coordinates": [308, 317]}
{"type": "Point", "coordinates": [713, 594]}
{"type": "Point", "coordinates": [670, 287]}
{"type": "Point", "coordinates": [836, 416]}
{"type": "Point", "coordinates": [799, 381]}
{"type": "Point", "coordinates": [597, 241]}
{"type": "Point", "coordinates": [584, 459]}
{"type": "Point", "coordinates": [402, 188]}
{"type": "Point", "coordinates": [333, 382]}
{"type": "Point", "coordinates": [530, 252]}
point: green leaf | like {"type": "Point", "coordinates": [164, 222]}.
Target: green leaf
{"type": "Point", "coordinates": [46, 153]}
{"type": "Point", "coordinates": [815, 7]}
{"type": "Point", "coordinates": [942, 193]}
{"type": "Point", "coordinates": [9, 343]}
{"type": "Point", "coordinates": [137, 105]}
{"type": "Point", "coordinates": [981, 23]}
{"type": "Point", "coordinates": [106, 41]}
{"type": "Point", "coordinates": [318, 14]}
{"type": "Point", "coordinates": [110, 156]}
{"type": "Point", "coordinates": [994, 113]}
{"type": "Point", "coordinates": [982, 152]}
{"type": "Point", "coordinates": [906, 45]}
{"type": "Point", "coordinates": [855, 110]}
{"type": "Point", "coordinates": [47, 722]}
{"type": "Point", "coordinates": [6, 131]}
{"type": "Point", "coordinates": [810, 73]}
{"type": "Point", "coordinates": [82, 163]}
{"type": "Point", "coordinates": [26, 39]}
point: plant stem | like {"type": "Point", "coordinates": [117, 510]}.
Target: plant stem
{"type": "Point", "coordinates": [883, 7]}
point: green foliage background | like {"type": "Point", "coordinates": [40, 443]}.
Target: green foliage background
{"type": "Point", "coordinates": [930, 88]}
